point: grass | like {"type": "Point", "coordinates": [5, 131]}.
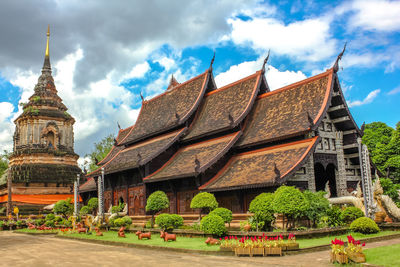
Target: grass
{"type": "Point", "coordinates": [197, 243]}
{"type": "Point", "coordinates": [34, 231]}
{"type": "Point", "coordinates": [182, 242]}
{"type": "Point", "coordinates": [384, 256]}
{"type": "Point", "coordinates": [306, 243]}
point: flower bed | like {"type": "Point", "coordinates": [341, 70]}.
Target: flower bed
{"type": "Point", "coordinates": [258, 246]}
{"type": "Point", "coordinates": [352, 252]}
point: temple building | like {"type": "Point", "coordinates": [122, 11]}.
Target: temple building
{"type": "Point", "coordinates": [43, 164]}
{"type": "Point", "coordinates": [235, 141]}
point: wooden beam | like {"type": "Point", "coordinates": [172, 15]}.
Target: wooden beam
{"type": "Point", "coordinates": [338, 107]}
{"type": "Point", "coordinates": [341, 119]}
{"type": "Point", "coordinates": [355, 145]}
{"type": "Point", "coordinates": [354, 155]}
{"type": "Point", "coordinates": [349, 132]}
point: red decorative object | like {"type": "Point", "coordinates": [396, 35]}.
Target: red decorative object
{"type": "Point", "coordinates": [80, 228]}
{"type": "Point", "coordinates": [98, 233]}
{"type": "Point", "coordinates": [212, 241]}
{"type": "Point", "coordinates": [121, 232]}
{"type": "Point", "coordinates": [141, 235]}
{"type": "Point", "coordinates": [31, 226]}
{"type": "Point", "coordinates": [167, 236]}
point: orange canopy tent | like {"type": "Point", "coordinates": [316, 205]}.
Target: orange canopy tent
{"type": "Point", "coordinates": [38, 199]}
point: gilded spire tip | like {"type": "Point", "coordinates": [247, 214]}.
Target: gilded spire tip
{"type": "Point", "coordinates": [47, 44]}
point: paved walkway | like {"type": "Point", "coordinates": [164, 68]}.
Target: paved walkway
{"type": "Point", "coordinates": [28, 250]}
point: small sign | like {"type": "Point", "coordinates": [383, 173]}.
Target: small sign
{"type": "Point", "coordinates": [16, 210]}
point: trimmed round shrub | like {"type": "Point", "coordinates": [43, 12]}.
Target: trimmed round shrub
{"type": "Point", "coordinates": [93, 204]}
{"type": "Point", "coordinates": [50, 217]}
{"type": "Point", "coordinates": [84, 210]}
{"type": "Point", "coordinates": [364, 225]}
{"type": "Point", "coordinates": [63, 207]}
{"type": "Point", "coordinates": [290, 202]}
{"type": "Point", "coordinates": [177, 220]}
{"type": "Point", "coordinates": [39, 222]}
{"type": "Point", "coordinates": [119, 222]}
{"type": "Point", "coordinates": [58, 219]}
{"type": "Point", "coordinates": [334, 216]}
{"type": "Point", "coordinates": [213, 224]}
{"type": "Point", "coordinates": [157, 201]}
{"type": "Point", "coordinates": [204, 201]}
{"type": "Point", "coordinates": [127, 221]}
{"type": "Point", "coordinates": [164, 221]}
{"type": "Point", "coordinates": [261, 207]}
{"type": "Point", "coordinates": [351, 213]}
{"type": "Point", "coordinates": [318, 206]}
{"type": "Point", "coordinates": [224, 213]}
{"type": "Point", "coordinates": [49, 223]}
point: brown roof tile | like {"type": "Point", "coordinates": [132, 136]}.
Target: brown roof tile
{"type": "Point", "coordinates": [225, 107]}
{"type": "Point", "coordinates": [115, 149]}
{"type": "Point", "coordinates": [140, 153]}
{"type": "Point", "coordinates": [89, 185]}
{"type": "Point", "coordinates": [194, 158]}
{"type": "Point", "coordinates": [257, 168]}
{"type": "Point", "coordinates": [169, 109]}
{"type": "Point", "coordinates": [284, 112]}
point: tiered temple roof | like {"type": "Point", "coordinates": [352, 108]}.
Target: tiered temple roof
{"type": "Point", "coordinates": [249, 136]}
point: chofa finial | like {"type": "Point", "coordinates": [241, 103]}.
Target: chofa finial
{"type": "Point", "coordinates": [212, 62]}
{"type": "Point", "coordinates": [339, 57]}
{"type": "Point", "coordinates": [265, 62]}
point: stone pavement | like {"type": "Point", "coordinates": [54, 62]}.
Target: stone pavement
{"type": "Point", "coordinates": [29, 250]}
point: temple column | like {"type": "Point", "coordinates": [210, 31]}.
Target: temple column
{"type": "Point", "coordinates": [310, 173]}
{"type": "Point", "coordinates": [341, 177]}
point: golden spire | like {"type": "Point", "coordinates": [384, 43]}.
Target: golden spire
{"type": "Point", "coordinates": [48, 38]}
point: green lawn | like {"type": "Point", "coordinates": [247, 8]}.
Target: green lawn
{"type": "Point", "coordinates": [387, 256]}
{"type": "Point", "coordinates": [34, 231]}
{"type": "Point", "coordinates": [198, 243]}
{"type": "Point", "coordinates": [181, 242]}
{"type": "Point", "coordinates": [305, 243]}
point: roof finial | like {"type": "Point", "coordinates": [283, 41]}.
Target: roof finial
{"type": "Point", "coordinates": [46, 64]}
{"type": "Point", "coordinates": [119, 126]}
{"type": "Point", "coordinates": [212, 62]}
{"type": "Point", "coordinates": [265, 61]}
{"type": "Point", "coordinates": [141, 96]}
{"type": "Point", "coordinates": [339, 57]}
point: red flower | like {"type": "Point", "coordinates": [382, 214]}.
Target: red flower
{"type": "Point", "coordinates": [363, 244]}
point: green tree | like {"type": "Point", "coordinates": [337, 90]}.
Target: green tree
{"type": "Point", "coordinates": [156, 202]}
{"type": "Point", "coordinates": [4, 162]}
{"type": "Point", "coordinates": [224, 213]}
{"type": "Point", "coordinates": [391, 189]}
{"type": "Point", "coordinates": [100, 151]}
{"type": "Point", "coordinates": [383, 142]}
{"type": "Point", "coordinates": [64, 208]}
{"type": "Point", "coordinates": [318, 206]}
{"type": "Point", "coordinates": [290, 202]}
{"type": "Point", "coordinates": [261, 207]}
{"type": "Point", "coordinates": [205, 202]}
{"type": "Point", "coordinates": [93, 203]}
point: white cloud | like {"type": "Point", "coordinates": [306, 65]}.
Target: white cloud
{"type": "Point", "coordinates": [370, 97]}
{"type": "Point", "coordinates": [6, 126]}
{"type": "Point", "coordinates": [376, 15]}
{"type": "Point", "coordinates": [166, 62]}
{"type": "Point", "coordinates": [307, 40]}
{"type": "Point", "coordinates": [394, 91]}
{"type": "Point", "coordinates": [137, 71]}
{"type": "Point", "coordinates": [275, 78]}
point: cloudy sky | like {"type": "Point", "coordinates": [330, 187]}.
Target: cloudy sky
{"type": "Point", "coordinates": [104, 53]}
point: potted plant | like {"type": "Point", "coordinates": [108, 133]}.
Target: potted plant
{"type": "Point", "coordinates": [272, 246]}
{"type": "Point", "coordinates": [292, 244]}
{"type": "Point", "coordinates": [257, 246]}
{"type": "Point", "coordinates": [228, 243]}
{"type": "Point", "coordinates": [338, 252]}
{"type": "Point", "coordinates": [243, 247]}
{"type": "Point", "coordinates": [354, 250]}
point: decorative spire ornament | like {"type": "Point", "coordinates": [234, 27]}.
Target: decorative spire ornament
{"type": "Point", "coordinates": [265, 62]}
{"type": "Point", "coordinates": [46, 64]}
{"type": "Point", "coordinates": [339, 57]}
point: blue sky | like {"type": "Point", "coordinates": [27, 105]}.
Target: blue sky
{"type": "Point", "coordinates": [101, 65]}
